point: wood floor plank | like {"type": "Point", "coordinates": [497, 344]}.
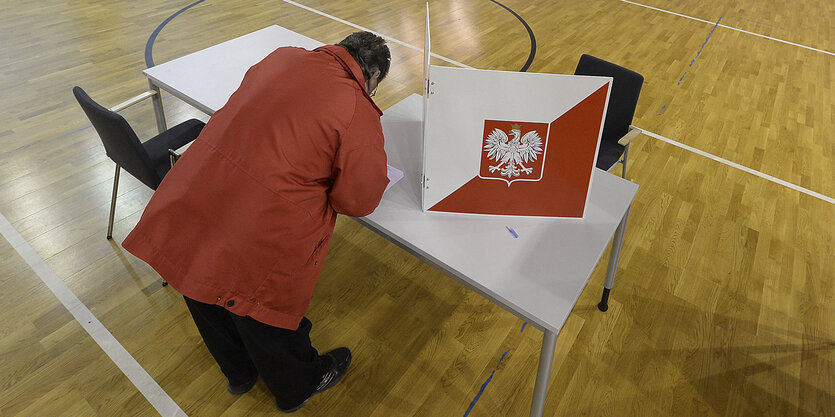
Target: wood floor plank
{"type": "Point", "coordinates": [724, 303]}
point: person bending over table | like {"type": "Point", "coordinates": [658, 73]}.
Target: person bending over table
{"type": "Point", "coordinates": [241, 225]}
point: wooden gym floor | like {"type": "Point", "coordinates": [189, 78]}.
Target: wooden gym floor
{"type": "Point", "coordinates": [724, 304]}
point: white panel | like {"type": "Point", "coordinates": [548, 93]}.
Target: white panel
{"type": "Point", "coordinates": [427, 54]}
{"type": "Point", "coordinates": [461, 99]}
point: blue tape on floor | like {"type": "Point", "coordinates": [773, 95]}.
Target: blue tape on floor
{"type": "Point", "coordinates": [69, 134]}
{"type": "Point", "coordinates": [764, 24]}
{"type": "Point", "coordinates": [693, 61]}
{"type": "Point", "coordinates": [484, 385]}
{"type": "Point", "coordinates": [701, 49]}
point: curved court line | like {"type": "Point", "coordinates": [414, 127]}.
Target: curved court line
{"type": "Point", "coordinates": [388, 38]}
{"type": "Point", "coordinates": [731, 27]}
{"type": "Point", "coordinates": [149, 46]}
{"type": "Point", "coordinates": [530, 35]}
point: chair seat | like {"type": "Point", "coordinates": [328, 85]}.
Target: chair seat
{"type": "Point", "coordinates": [173, 138]}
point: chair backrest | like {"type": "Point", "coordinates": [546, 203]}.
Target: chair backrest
{"type": "Point", "coordinates": [120, 141]}
{"type": "Point", "coordinates": [626, 88]}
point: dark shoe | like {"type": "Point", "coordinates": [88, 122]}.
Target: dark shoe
{"type": "Point", "coordinates": [243, 388]}
{"type": "Point", "coordinates": [339, 359]}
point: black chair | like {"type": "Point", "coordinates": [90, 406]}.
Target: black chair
{"type": "Point", "coordinates": [617, 129]}
{"type": "Point", "coordinates": [148, 161]}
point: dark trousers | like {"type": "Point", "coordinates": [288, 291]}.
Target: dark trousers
{"type": "Point", "coordinates": [245, 348]}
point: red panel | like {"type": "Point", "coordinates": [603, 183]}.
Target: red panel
{"type": "Point", "coordinates": [569, 159]}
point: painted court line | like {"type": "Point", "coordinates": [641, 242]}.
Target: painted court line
{"type": "Point", "coordinates": [693, 61]}
{"type": "Point", "coordinates": [648, 133]}
{"type": "Point", "coordinates": [763, 23]}
{"type": "Point", "coordinates": [158, 398]}
{"type": "Point", "coordinates": [731, 27]}
{"type": "Point", "coordinates": [484, 385]}
{"type": "Point", "coordinates": [388, 38]}
{"type": "Point", "coordinates": [741, 167]}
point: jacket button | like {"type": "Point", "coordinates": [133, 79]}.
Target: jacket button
{"type": "Point", "coordinates": [230, 303]}
{"type": "Point", "coordinates": [218, 298]}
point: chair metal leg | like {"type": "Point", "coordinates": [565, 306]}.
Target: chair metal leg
{"type": "Point", "coordinates": [625, 155]}
{"type": "Point", "coordinates": [113, 203]}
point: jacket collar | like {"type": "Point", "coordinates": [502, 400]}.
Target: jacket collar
{"type": "Point", "coordinates": [350, 64]}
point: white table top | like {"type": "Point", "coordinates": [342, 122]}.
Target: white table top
{"type": "Point", "coordinates": [538, 276]}
{"type": "Point", "coordinates": [206, 78]}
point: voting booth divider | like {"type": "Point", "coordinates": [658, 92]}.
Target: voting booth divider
{"type": "Point", "coordinates": [509, 143]}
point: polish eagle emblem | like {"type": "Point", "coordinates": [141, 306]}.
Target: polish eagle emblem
{"type": "Point", "coordinates": [513, 154]}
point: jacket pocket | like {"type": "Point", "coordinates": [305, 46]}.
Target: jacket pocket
{"type": "Point", "coordinates": [315, 254]}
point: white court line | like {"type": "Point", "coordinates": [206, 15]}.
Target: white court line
{"type": "Point", "coordinates": [741, 167]}
{"type": "Point", "coordinates": [648, 133]}
{"type": "Point", "coordinates": [731, 27]}
{"type": "Point", "coordinates": [158, 398]}
{"type": "Point", "coordinates": [388, 38]}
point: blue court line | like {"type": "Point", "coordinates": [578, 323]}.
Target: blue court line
{"type": "Point", "coordinates": [513, 232]}
{"type": "Point", "coordinates": [700, 49]}
{"type": "Point", "coordinates": [530, 35]}
{"type": "Point", "coordinates": [693, 61]}
{"type": "Point", "coordinates": [149, 46]}
{"type": "Point", "coordinates": [706, 39]}
{"type": "Point", "coordinates": [484, 385]}
{"type": "Point", "coordinates": [69, 134]}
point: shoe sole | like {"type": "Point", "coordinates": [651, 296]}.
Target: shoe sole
{"type": "Point", "coordinates": [242, 391]}
{"type": "Point", "coordinates": [338, 378]}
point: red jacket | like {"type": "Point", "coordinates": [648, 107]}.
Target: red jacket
{"type": "Point", "coordinates": [245, 217]}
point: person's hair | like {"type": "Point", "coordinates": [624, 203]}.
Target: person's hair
{"type": "Point", "coordinates": [370, 52]}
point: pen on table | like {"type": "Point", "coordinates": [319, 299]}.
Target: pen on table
{"type": "Point", "coordinates": [512, 232]}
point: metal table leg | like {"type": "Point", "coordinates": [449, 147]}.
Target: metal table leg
{"type": "Point", "coordinates": [543, 374]}
{"type": "Point", "coordinates": [614, 256]}
{"type": "Point", "coordinates": [113, 203]}
{"type": "Point", "coordinates": [159, 114]}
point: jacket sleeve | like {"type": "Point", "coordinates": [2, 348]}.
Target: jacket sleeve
{"type": "Point", "coordinates": [359, 176]}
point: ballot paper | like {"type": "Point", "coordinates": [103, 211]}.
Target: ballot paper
{"type": "Point", "coordinates": [394, 175]}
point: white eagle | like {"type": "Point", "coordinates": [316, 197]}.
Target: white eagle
{"type": "Point", "coordinates": [512, 152]}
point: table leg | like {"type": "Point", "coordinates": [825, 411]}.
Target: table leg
{"type": "Point", "coordinates": [159, 114]}
{"type": "Point", "coordinates": [614, 256]}
{"type": "Point", "coordinates": [543, 374]}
